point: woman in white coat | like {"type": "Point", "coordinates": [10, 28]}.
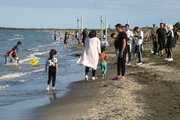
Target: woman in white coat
{"type": "Point", "coordinates": [90, 57]}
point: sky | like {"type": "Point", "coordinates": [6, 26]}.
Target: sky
{"type": "Point", "coordinates": [64, 13]}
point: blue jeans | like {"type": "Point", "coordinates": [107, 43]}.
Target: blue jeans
{"type": "Point", "coordinates": [6, 59]}
{"type": "Point", "coordinates": [117, 51]}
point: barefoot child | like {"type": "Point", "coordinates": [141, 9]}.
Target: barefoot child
{"type": "Point", "coordinates": [103, 59]}
{"type": "Point", "coordinates": [15, 54]}
{"type": "Point", "coordinates": [53, 69]}
{"type": "Point", "coordinates": [9, 54]}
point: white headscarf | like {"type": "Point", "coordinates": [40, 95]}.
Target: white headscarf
{"type": "Point", "coordinates": [170, 27]}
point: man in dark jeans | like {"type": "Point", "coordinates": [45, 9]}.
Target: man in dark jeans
{"type": "Point", "coordinates": [84, 35]}
{"type": "Point", "coordinates": [160, 38]}
{"type": "Point", "coordinates": [122, 37]}
{"type": "Point", "coordinates": [155, 44]}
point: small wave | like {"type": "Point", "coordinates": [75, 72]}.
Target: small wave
{"type": "Point", "coordinates": [33, 56]}
{"type": "Point", "coordinates": [11, 39]}
{"type": "Point", "coordinates": [30, 79]}
{"type": "Point", "coordinates": [3, 86]}
{"type": "Point", "coordinates": [17, 75]}
{"type": "Point", "coordinates": [33, 49]}
{"type": "Point", "coordinates": [19, 38]}
{"type": "Point", "coordinates": [15, 38]}
{"type": "Point", "coordinates": [47, 45]}
{"type": "Point", "coordinates": [16, 35]}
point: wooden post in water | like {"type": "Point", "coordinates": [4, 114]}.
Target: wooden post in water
{"type": "Point", "coordinates": [161, 19]}
{"type": "Point", "coordinates": [78, 30]}
{"type": "Point", "coordinates": [106, 26]}
{"type": "Point", "coordinates": [81, 24]}
{"type": "Point", "coordinates": [128, 21]}
{"type": "Point", "coordinates": [102, 27]}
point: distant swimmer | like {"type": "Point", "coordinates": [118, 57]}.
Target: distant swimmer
{"type": "Point", "coordinates": [52, 62]}
{"type": "Point", "coordinates": [55, 35]}
{"type": "Point", "coordinates": [9, 56]}
{"type": "Point", "coordinates": [66, 39]}
{"type": "Point", "coordinates": [15, 54]}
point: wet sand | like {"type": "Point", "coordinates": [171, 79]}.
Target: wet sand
{"type": "Point", "coordinates": [149, 92]}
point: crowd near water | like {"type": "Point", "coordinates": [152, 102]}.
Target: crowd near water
{"type": "Point", "coordinates": [54, 66]}
{"type": "Point", "coordinates": [128, 42]}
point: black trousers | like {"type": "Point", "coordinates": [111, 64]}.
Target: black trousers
{"type": "Point", "coordinates": [87, 71]}
{"type": "Point", "coordinates": [121, 64]}
{"type": "Point", "coordinates": [52, 76]}
{"type": "Point", "coordinates": [155, 45]}
{"type": "Point", "coordinates": [161, 44]}
{"type": "Point", "coordinates": [169, 52]}
{"type": "Point", "coordinates": [139, 52]}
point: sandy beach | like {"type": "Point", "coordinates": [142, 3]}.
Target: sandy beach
{"type": "Point", "coordinates": [150, 91]}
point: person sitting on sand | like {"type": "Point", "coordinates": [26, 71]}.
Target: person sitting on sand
{"type": "Point", "coordinates": [104, 60]}
{"type": "Point", "coordinates": [90, 57]}
{"type": "Point", "coordinates": [53, 69]}
{"type": "Point", "coordinates": [66, 39]}
{"type": "Point", "coordinates": [9, 54]}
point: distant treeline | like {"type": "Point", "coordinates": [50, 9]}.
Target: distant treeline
{"type": "Point", "coordinates": [55, 29]}
{"type": "Point", "coordinates": [49, 29]}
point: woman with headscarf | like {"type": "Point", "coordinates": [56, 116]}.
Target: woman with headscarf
{"type": "Point", "coordinates": [90, 57]}
{"type": "Point", "coordinates": [170, 43]}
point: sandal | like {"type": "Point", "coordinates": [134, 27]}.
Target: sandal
{"type": "Point", "coordinates": [116, 78]}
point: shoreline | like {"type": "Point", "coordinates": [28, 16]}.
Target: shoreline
{"type": "Point", "coordinates": [26, 106]}
{"type": "Point", "coordinates": [137, 97]}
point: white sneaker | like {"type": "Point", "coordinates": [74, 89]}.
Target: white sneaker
{"type": "Point", "coordinates": [128, 63]}
{"type": "Point", "coordinates": [166, 59]}
{"type": "Point", "coordinates": [93, 78]}
{"type": "Point", "coordinates": [170, 59]}
{"type": "Point", "coordinates": [139, 63]}
{"type": "Point", "coordinates": [86, 77]}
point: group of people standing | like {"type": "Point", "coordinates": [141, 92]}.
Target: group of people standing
{"type": "Point", "coordinates": [134, 43]}
{"type": "Point", "coordinates": [126, 42]}
{"type": "Point", "coordinates": [165, 39]}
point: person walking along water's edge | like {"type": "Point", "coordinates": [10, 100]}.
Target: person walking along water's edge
{"type": "Point", "coordinates": [90, 57]}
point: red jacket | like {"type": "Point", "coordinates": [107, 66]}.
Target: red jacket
{"type": "Point", "coordinates": [9, 53]}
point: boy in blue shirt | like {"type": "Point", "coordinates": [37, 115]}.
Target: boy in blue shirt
{"type": "Point", "coordinates": [14, 55]}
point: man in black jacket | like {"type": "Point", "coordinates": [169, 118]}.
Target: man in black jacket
{"type": "Point", "coordinates": [160, 38]}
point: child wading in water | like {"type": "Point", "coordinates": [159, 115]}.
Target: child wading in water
{"type": "Point", "coordinates": [53, 69]}
{"type": "Point", "coordinates": [104, 59]}
{"type": "Point", "coordinates": [8, 56]}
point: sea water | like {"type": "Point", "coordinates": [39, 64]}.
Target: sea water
{"type": "Point", "coordinates": [23, 82]}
